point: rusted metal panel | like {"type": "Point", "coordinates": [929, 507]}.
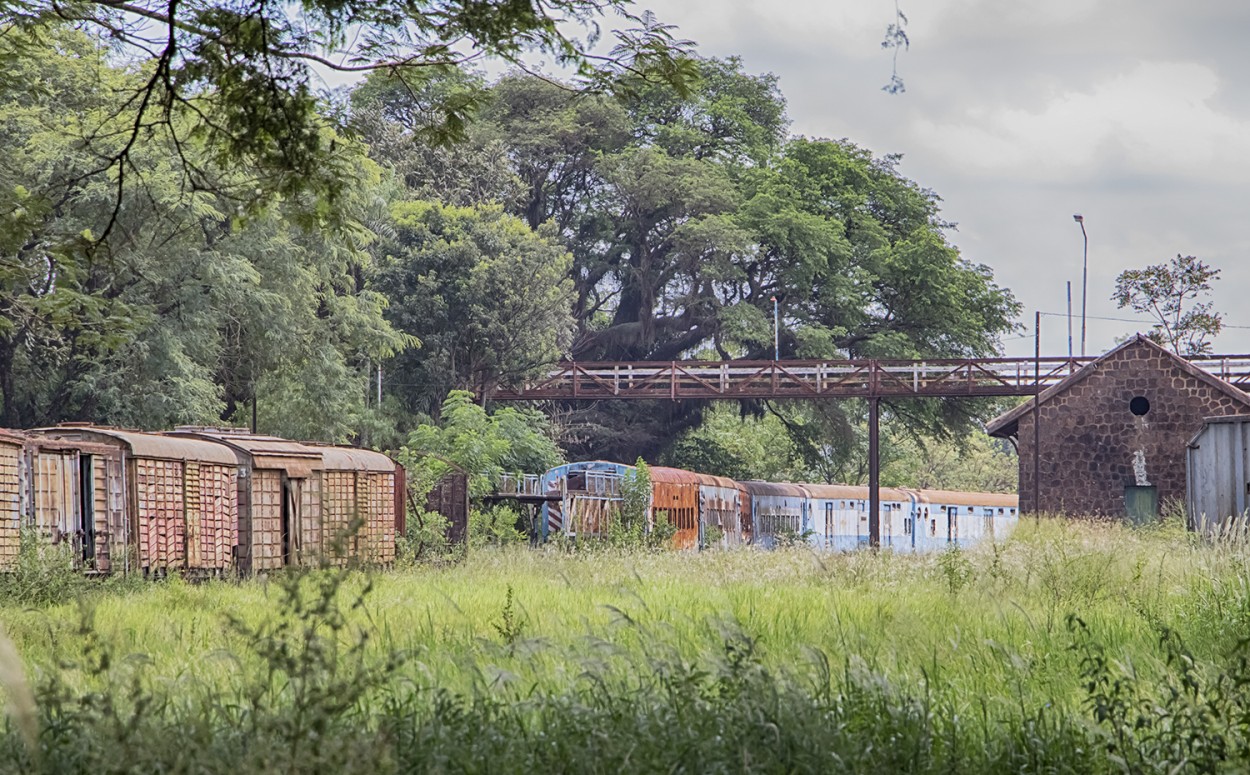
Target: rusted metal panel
{"type": "Point", "coordinates": [450, 497]}
{"type": "Point", "coordinates": [55, 487]}
{"type": "Point", "coordinates": [401, 500]}
{"type": "Point", "coordinates": [586, 496]}
{"type": "Point", "coordinates": [777, 512]}
{"type": "Point", "coordinates": [676, 492]}
{"type": "Point", "coordinates": [12, 454]}
{"type": "Point", "coordinates": [355, 459]}
{"type": "Point", "coordinates": [722, 504]}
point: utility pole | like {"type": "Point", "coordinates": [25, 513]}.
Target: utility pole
{"type": "Point", "coordinates": [1080, 219]}
{"type": "Point", "coordinates": [776, 330]}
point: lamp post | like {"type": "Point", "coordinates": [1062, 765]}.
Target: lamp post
{"type": "Point", "coordinates": [776, 330]}
{"type": "Point", "coordinates": [1080, 219]}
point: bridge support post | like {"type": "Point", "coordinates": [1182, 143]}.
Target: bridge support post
{"type": "Point", "coordinates": [874, 474]}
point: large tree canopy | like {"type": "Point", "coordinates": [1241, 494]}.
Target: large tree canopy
{"type": "Point", "coordinates": [236, 76]}
{"type": "Point", "coordinates": [686, 214]}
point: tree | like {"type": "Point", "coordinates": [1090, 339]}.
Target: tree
{"type": "Point", "coordinates": [236, 77]}
{"type": "Point", "coordinates": [191, 311]}
{"type": "Point", "coordinates": [1169, 293]}
{"type": "Point", "coordinates": [487, 297]}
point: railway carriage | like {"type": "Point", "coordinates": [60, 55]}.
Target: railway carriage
{"type": "Point", "coordinates": [779, 513]}
{"type": "Point", "coordinates": [172, 501]}
{"type": "Point", "coordinates": [724, 512]}
{"type": "Point", "coordinates": [586, 498]}
{"type": "Point", "coordinates": [954, 518]}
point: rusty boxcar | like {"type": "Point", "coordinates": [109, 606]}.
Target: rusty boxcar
{"type": "Point", "coordinates": [175, 499]}
{"type": "Point", "coordinates": [279, 498]}
{"type": "Point", "coordinates": [359, 490]}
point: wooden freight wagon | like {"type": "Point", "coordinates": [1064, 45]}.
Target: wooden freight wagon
{"type": "Point", "coordinates": [12, 475]}
{"type": "Point", "coordinates": [279, 497]}
{"type": "Point", "coordinates": [171, 501]}
{"type": "Point", "coordinates": [361, 493]}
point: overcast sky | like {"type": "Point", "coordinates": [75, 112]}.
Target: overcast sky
{"type": "Point", "coordinates": [1019, 114]}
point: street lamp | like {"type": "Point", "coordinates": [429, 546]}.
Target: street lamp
{"type": "Point", "coordinates": [776, 330]}
{"type": "Point", "coordinates": [1084, 277]}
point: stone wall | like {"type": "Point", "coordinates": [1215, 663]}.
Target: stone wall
{"type": "Point", "coordinates": [1090, 436]}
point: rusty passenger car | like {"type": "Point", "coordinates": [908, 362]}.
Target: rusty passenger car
{"type": "Point", "coordinates": [173, 499]}
{"type": "Point", "coordinates": [724, 510]}
{"type": "Point", "coordinates": [675, 495]}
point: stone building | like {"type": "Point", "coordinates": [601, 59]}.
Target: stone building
{"type": "Point", "coordinates": [1115, 431]}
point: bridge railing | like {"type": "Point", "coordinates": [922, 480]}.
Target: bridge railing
{"type": "Point", "coordinates": [818, 378]}
{"type": "Point", "coordinates": [519, 484]}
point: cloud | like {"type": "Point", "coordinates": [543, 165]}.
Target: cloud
{"type": "Point", "coordinates": [1155, 120]}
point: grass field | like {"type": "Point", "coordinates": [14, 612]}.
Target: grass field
{"type": "Point", "coordinates": [1070, 648]}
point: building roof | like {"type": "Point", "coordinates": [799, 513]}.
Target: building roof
{"type": "Point", "coordinates": [1008, 423]}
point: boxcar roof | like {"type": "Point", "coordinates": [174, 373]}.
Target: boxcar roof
{"type": "Point", "coordinates": [265, 451]}
{"type": "Point", "coordinates": [354, 459]}
{"type": "Point", "coordinates": [958, 498]}
{"type": "Point", "coordinates": [718, 481]}
{"type": "Point", "coordinates": [673, 475]}
{"type": "Point", "coordinates": [756, 487]}
{"type": "Point", "coordinates": [11, 437]}
{"type": "Point", "coordinates": [854, 492]}
{"type": "Point", "coordinates": [150, 445]}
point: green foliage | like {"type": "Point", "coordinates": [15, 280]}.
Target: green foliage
{"type": "Point", "coordinates": [488, 298]}
{"type": "Point", "coordinates": [236, 78]}
{"type": "Point", "coordinates": [496, 526]}
{"type": "Point", "coordinates": [480, 444]}
{"type": "Point", "coordinates": [198, 303]}
{"type": "Point", "coordinates": [635, 524]}
{"type": "Point", "coordinates": [638, 661]}
{"type": "Point", "coordinates": [1169, 293]}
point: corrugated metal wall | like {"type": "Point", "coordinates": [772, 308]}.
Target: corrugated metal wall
{"type": "Point", "coordinates": [1216, 476]}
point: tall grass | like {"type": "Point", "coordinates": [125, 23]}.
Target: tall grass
{"type": "Point", "coordinates": [1070, 648]}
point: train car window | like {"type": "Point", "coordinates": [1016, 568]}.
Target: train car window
{"type": "Point", "coordinates": [907, 526]}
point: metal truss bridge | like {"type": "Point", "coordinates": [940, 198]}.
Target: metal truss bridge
{"type": "Point", "coordinates": [807, 379]}
{"type": "Point", "coordinates": [810, 379]}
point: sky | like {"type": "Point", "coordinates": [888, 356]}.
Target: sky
{"type": "Point", "coordinates": [1020, 114]}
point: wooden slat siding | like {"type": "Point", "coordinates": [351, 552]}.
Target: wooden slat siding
{"type": "Point", "coordinates": [219, 516]}
{"type": "Point", "coordinates": [192, 495]}
{"type": "Point", "coordinates": [310, 521]}
{"type": "Point", "coordinates": [10, 505]}
{"type": "Point", "coordinates": [160, 508]}
{"type": "Point", "coordinates": [54, 494]}
{"type": "Point", "coordinates": [100, 513]}
{"type": "Point", "coordinates": [266, 520]}
{"type": "Point", "coordinates": [362, 547]}
{"type": "Point", "coordinates": [338, 498]}
{"type": "Point", "coordinates": [383, 515]}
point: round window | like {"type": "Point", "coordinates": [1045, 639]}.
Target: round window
{"type": "Point", "coordinates": [1139, 405]}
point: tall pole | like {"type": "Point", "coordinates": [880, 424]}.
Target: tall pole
{"type": "Point", "coordinates": [1037, 415]}
{"type": "Point", "coordinates": [874, 474]}
{"type": "Point", "coordinates": [776, 331]}
{"type": "Point", "coordinates": [1069, 320]}
{"type": "Point", "coordinates": [1084, 277]}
